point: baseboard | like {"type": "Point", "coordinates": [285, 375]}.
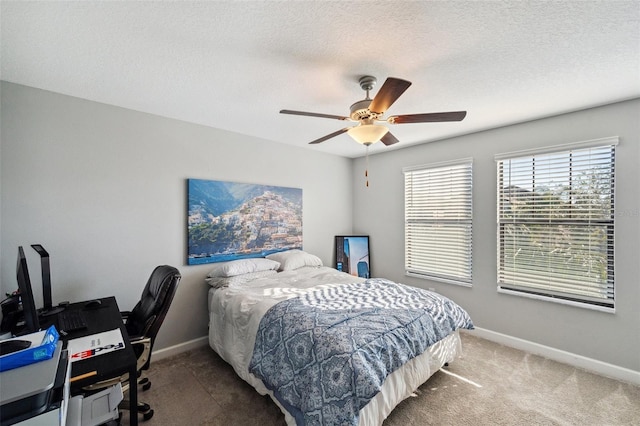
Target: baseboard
{"type": "Point", "coordinates": [593, 365]}
{"type": "Point", "coordinates": [599, 367]}
{"type": "Point", "coordinates": [179, 348]}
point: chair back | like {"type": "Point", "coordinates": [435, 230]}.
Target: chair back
{"type": "Point", "coordinates": [147, 316]}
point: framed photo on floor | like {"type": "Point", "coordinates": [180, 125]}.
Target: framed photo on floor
{"type": "Point", "coordinates": [352, 255]}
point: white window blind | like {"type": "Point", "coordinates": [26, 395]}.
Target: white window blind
{"type": "Point", "coordinates": [438, 216]}
{"type": "Point", "coordinates": [556, 225]}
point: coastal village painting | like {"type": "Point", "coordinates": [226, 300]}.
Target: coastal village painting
{"type": "Point", "coordinates": [230, 220]}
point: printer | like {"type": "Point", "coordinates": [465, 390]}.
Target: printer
{"type": "Point", "coordinates": [37, 393]}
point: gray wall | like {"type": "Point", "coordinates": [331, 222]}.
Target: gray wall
{"type": "Point", "coordinates": [379, 212]}
{"type": "Point", "coordinates": [104, 190]}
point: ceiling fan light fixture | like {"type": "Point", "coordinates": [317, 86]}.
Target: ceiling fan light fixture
{"type": "Point", "coordinates": [367, 134]}
{"type": "Point", "coordinates": [367, 112]}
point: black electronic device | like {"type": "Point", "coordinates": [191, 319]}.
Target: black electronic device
{"type": "Point", "coordinates": [32, 324]}
{"type": "Point", "coordinates": [10, 346]}
{"type": "Point", "coordinates": [47, 308]}
{"type": "Point", "coordinates": [10, 313]}
{"type": "Point", "coordinates": [92, 304]}
{"type": "Point", "coordinates": [71, 320]}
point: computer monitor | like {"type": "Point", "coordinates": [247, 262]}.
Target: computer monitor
{"type": "Point", "coordinates": [47, 308]}
{"type": "Point", "coordinates": [32, 324]}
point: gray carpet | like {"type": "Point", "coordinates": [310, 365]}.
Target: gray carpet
{"type": "Point", "coordinates": [490, 385]}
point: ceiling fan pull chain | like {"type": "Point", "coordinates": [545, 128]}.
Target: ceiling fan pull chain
{"type": "Point", "coordinates": [366, 170]}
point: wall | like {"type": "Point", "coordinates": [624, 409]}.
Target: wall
{"type": "Point", "coordinates": [104, 190]}
{"type": "Point", "coordinates": [610, 338]}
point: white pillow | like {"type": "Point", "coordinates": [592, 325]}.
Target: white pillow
{"type": "Point", "coordinates": [294, 259]}
{"type": "Point", "coordinates": [243, 266]}
{"type": "Point", "coordinates": [238, 280]}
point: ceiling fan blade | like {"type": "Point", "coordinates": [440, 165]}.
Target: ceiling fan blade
{"type": "Point", "coordinates": [389, 139]}
{"type": "Point", "coordinates": [433, 117]}
{"type": "Point", "coordinates": [329, 136]}
{"type": "Point", "coordinates": [388, 94]}
{"type": "Point", "coordinates": [313, 114]}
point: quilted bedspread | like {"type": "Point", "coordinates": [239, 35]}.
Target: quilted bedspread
{"type": "Point", "coordinates": [325, 354]}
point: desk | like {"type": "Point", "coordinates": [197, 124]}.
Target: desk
{"type": "Point", "coordinates": [104, 318]}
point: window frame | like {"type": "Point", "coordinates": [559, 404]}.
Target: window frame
{"type": "Point", "coordinates": [463, 224]}
{"type": "Point", "coordinates": [607, 224]}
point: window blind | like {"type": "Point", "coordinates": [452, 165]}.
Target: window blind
{"type": "Point", "coordinates": [438, 219]}
{"type": "Point", "coordinates": [556, 225]}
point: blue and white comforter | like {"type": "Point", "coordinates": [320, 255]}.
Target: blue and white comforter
{"type": "Point", "coordinates": [326, 353]}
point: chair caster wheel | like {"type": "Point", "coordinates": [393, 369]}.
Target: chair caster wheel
{"type": "Point", "coordinates": [143, 381]}
{"type": "Point", "coordinates": [147, 415]}
{"type": "Point", "coordinates": [146, 386]}
{"type": "Point", "coordinates": [143, 407]}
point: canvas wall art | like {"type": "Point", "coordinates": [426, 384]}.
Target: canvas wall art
{"type": "Point", "coordinates": [231, 220]}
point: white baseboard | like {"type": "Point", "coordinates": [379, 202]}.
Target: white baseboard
{"type": "Point", "coordinates": [179, 348]}
{"type": "Point", "coordinates": [599, 367]}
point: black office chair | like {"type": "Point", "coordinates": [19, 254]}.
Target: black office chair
{"type": "Point", "coordinates": [142, 324]}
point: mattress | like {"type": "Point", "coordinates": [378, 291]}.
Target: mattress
{"type": "Point", "coordinates": [236, 312]}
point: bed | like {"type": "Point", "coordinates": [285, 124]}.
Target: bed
{"type": "Point", "coordinates": [328, 347]}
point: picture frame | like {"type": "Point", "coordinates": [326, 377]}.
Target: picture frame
{"type": "Point", "coordinates": [235, 220]}
{"type": "Point", "coordinates": [352, 255]}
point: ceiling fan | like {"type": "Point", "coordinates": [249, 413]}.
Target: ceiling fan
{"type": "Point", "coordinates": [368, 112]}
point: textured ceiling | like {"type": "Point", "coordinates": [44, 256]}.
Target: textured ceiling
{"type": "Point", "coordinates": [234, 65]}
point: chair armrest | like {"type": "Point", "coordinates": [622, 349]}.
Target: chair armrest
{"type": "Point", "coordinates": [142, 344]}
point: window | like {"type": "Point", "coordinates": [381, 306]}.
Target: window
{"type": "Point", "coordinates": [556, 223]}
{"type": "Point", "coordinates": [437, 206]}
